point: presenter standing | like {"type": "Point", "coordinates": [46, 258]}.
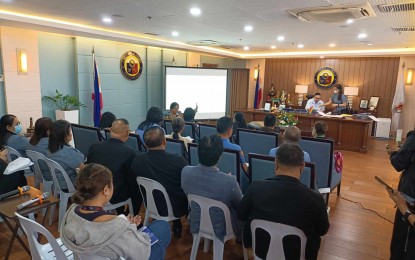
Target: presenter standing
{"type": "Point", "coordinates": [174, 111]}
{"type": "Point", "coordinates": [338, 100]}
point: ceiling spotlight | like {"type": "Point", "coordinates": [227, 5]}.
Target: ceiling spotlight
{"type": "Point", "coordinates": [280, 38]}
{"type": "Point", "coordinates": [248, 28]}
{"type": "Point", "coordinates": [195, 11]}
{"type": "Point", "coordinates": [350, 21]}
{"type": "Point", "coordinates": [369, 44]}
{"type": "Point", "coordinates": [300, 45]}
{"type": "Point", "coordinates": [362, 35]}
{"type": "Point", "coordinates": [246, 48]}
{"type": "Point", "coordinates": [175, 33]}
{"type": "Point", "coordinates": [107, 20]}
{"type": "Point", "coordinates": [332, 45]}
{"type": "Point", "coordinates": [273, 47]}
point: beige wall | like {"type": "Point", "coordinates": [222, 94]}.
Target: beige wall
{"type": "Point", "coordinates": [22, 92]}
{"type": "Point", "coordinates": [251, 65]}
{"type": "Point", "coordinates": [408, 111]}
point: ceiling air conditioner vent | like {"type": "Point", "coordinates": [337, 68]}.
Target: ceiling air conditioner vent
{"type": "Point", "coordinates": [404, 29]}
{"type": "Point", "coordinates": [334, 14]}
{"type": "Point", "coordinates": [397, 7]}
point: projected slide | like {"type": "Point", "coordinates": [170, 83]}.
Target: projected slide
{"type": "Point", "coordinates": [206, 87]}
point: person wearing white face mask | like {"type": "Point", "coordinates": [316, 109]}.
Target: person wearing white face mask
{"type": "Point", "coordinates": [10, 129]}
{"type": "Point", "coordinates": [338, 100]}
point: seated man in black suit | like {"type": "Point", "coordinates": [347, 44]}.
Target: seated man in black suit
{"type": "Point", "coordinates": [269, 124]}
{"type": "Point", "coordinates": [117, 157]}
{"type": "Point", "coordinates": [165, 168]}
{"type": "Point", "coordinates": [284, 199]}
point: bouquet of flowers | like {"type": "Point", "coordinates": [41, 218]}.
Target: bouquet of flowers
{"type": "Point", "coordinates": [286, 119]}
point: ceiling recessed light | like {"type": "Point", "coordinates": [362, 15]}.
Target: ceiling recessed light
{"type": "Point", "coordinates": [332, 45]}
{"type": "Point", "coordinates": [369, 44]}
{"type": "Point", "coordinates": [195, 11]}
{"type": "Point", "coordinates": [321, 57]}
{"type": "Point", "coordinates": [175, 33]}
{"type": "Point", "coordinates": [362, 35]}
{"type": "Point", "coordinates": [246, 48]}
{"type": "Point", "coordinates": [273, 47]}
{"type": "Point", "coordinates": [350, 21]}
{"type": "Point", "coordinates": [280, 38]}
{"type": "Point", "coordinates": [107, 20]}
{"type": "Point", "coordinates": [300, 45]}
{"type": "Point", "coordinates": [248, 28]}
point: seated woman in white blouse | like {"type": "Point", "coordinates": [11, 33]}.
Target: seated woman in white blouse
{"type": "Point", "coordinates": [177, 125]}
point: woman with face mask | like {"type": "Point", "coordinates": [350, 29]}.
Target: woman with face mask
{"type": "Point", "coordinates": [10, 129]}
{"type": "Point", "coordinates": [338, 100]}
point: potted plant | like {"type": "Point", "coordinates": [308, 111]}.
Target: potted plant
{"type": "Point", "coordinates": [286, 119]}
{"type": "Point", "coordinates": [67, 106]}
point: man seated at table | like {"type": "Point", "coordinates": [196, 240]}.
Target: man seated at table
{"type": "Point", "coordinates": [284, 199]}
{"type": "Point", "coordinates": [291, 135]}
{"type": "Point", "coordinates": [165, 168]}
{"type": "Point", "coordinates": [208, 181]}
{"type": "Point", "coordinates": [224, 127]}
{"type": "Point", "coordinates": [117, 157]}
{"type": "Point", "coordinates": [316, 103]}
{"type": "Point", "coordinates": [269, 124]}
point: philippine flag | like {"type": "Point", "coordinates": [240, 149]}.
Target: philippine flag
{"type": "Point", "coordinates": [97, 94]}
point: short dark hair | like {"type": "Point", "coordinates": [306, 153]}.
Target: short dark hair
{"type": "Point", "coordinates": [290, 155]}
{"type": "Point", "coordinates": [153, 136]}
{"type": "Point", "coordinates": [270, 120]}
{"type": "Point", "coordinates": [321, 127]}
{"type": "Point", "coordinates": [173, 105]}
{"type": "Point", "coordinates": [210, 150]}
{"type": "Point", "coordinates": [6, 120]}
{"type": "Point", "coordinates": [317, 94]}
{"type": "Point", "coordinates": [292, 134]}
{"type": "Point", "coordinates": [189, 114]}
{"type": "Point", "coordinates": [223, 124]}
{"type": "Point", "coordinates": [154, 116]}
{"type": "Point", "coordinates": [58, 133]}
{"type": "Point", "coordinates": [122, 120]}
{"type": "Point", "coordinates": [42, 126]}
{"type": "Point", "coordinates": [106, 120]}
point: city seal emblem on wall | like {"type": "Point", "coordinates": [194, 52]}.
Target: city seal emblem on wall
{"type": "Point", "coordinates": [131, 65]}
{"type": "Point", "coordinates": [325, 78]}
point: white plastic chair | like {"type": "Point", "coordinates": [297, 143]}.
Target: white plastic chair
{"type": "Point", "coordinates": [80, 256]}
{"type": "Point", "coordinates": [63, 196]}
{"type": "Point", "coordinates": [128, 202]}
{"type": "Point", "coordinates": [277, 232]}
{"type": "Point", "coordinates": [150, 205]}
{"type": "Point", "coordinates": [47, 185]}
{"type": "Point", "coordinates": [11, 151]}
{"type": "Point", "coordinates": [52, 250]}
{"type": "Point", "coordinates": [206, 227]}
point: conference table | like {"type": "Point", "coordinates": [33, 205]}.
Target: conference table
{"type": "Point", "coordinates": [8, 208]}
{"type": "Point", "coordinates": [348, 133]}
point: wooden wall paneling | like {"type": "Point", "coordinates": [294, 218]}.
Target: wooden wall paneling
{"type": "Point", "coordinates": [375, 76]}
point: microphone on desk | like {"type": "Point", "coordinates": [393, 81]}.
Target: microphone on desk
{"type": "Point", "coordinates": [32, 201]}
{"type": "Point", "coordinates": [14, 192]}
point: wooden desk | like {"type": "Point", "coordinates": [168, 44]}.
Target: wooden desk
{"type": "Point", "coordinates": [9, 206]}
{"type": "Point", "coordinates": [348, 133]}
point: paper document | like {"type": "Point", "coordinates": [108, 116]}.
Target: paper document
{"type": "Point", "coordinates": [19, 164]}
{"type": "Point", "coordinates": [374, 118]}
{"type": "Point", "coordinates": [335, 116]}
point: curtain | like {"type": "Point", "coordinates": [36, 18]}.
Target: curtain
{"type": "Point", "coordinates": [239, 89]}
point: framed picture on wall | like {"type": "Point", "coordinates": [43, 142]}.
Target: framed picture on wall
{"type": "Point", "coordinates": [373, 103]}
{"type": "Point", "coordinates": [364, 103]}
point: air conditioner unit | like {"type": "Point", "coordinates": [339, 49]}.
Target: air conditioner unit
{"type": "Point", "coordinates": [334, 14]}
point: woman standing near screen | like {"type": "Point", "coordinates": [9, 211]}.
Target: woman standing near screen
{"type": "Point", "coordinates": [338, 99]}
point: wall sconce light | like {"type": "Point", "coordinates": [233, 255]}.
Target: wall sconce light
{"type": "Point", "coordinates": [409, 77]}
{"type": "Point", "coordinates": [301, 90]}
{"type": "Point", "coordinates": [351, 92]}
{"type": "Point", "coordinates": [21, 62]}
{"type": "Point", "coordinates": [256, 72]}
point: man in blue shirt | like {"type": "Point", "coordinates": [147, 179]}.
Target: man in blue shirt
{"type": "Point", "coordinates": [291, 135]}
{"type": "Point", "coordinates": [224, 127]}
{"type": "Point", "coordinates": [316, 103]}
